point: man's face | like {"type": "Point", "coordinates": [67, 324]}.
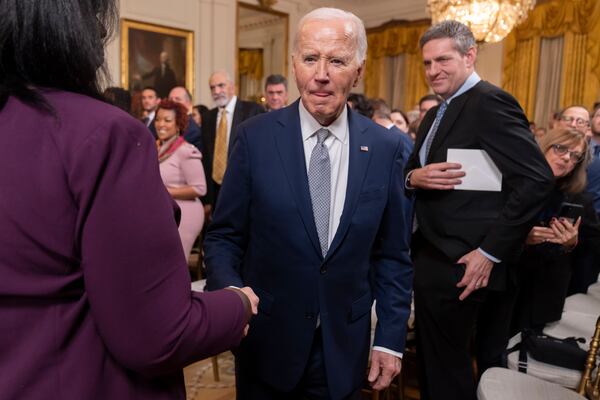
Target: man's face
{"type": "Point", "coordinates": [446, 69]}
{"type": "Point", "coordinates": [425, 105]}
{"type": "Point", "coordinates": [276, 96]}
{"type": "Point", "coordinates": [178, 95]}
{"type": "Point", "coordinates": [149, 100]}
{"type": "Point", "coordinates": [325, 68]}
{"type": "Point", "coordinates": [221, 89]}
{"type": "Point", "coordinates": [596, 123]}
{"type": "Point", "coordinates": [576, 118]}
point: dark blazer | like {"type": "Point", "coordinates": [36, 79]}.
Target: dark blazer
{"type": "Point", "coordinates": [95, 298]}
{"type": "Point", "coordinates": [545, 269]}
{"type": "Point", "coordinates": [263, 235]}
{"type": "Point", "coordinates": [242, 111]}
{"type": "Point", "coordinates": [459, 221]}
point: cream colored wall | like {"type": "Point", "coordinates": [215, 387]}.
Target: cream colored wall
{"type": "Point", "coordinates": [214, 25]}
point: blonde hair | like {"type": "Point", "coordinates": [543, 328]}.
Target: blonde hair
{"type": "Point", "coordinates": [576, 180]}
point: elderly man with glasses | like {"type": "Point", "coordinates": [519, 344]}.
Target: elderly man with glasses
{"type": "Point", "coordinates": [575, 117]}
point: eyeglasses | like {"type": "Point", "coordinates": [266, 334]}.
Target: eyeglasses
{"type": "Point", "coordinates": [561, 150]}
{"type": "Point", "coordinates": [578, 121]}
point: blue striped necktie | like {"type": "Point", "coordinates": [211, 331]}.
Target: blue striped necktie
{"type": "Point", "coordinates": [436, 123]}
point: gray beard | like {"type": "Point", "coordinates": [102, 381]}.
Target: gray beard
{"type": "Point", "coordinates": [221, 101]}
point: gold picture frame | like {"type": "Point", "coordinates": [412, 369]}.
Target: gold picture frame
{"type": "Point", "coordinates": [156, 55]}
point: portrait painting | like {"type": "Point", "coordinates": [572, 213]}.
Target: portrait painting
{"type": "Point", "coordinates": [157, 56]}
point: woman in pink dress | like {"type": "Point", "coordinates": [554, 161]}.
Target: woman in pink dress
{"type": "Point", "coordinates": [181, 170]}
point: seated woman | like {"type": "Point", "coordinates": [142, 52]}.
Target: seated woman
{"type": "Point", "coordinates": [181, 170]}
{"type": "Point", "coordinates": [544, 268]}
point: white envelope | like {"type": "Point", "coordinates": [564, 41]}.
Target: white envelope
{"type": "Point", "coordinates": [480, 171]}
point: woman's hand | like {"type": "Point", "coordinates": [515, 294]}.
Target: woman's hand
{"type": "Point", "coordinates": [540, 234]}
{"type": "Point", "coordinates": [566, 233]}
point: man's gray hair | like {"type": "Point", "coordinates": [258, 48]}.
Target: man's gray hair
{"type": "Point", "coordinates": [459, 32]}
{"type": "Point", "coordinates": [222, 72]}
{"type": "Point", "coordinates": [354, 28]}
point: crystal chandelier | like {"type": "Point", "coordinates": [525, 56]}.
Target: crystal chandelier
{"type": "Point", "coordinates": [490, 20]}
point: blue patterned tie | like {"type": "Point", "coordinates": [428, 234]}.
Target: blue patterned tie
{"type": "Point", "coordinates": [436, 123]}
{"type": "Point", "coordinates": [319, 181]}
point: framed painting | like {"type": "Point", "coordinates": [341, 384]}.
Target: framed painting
{"type": "Point", "coordinates": [155, 55]}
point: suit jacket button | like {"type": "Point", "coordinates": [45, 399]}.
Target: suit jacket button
{"type": "Point", "coordinates": [309, 315]}
{"type": "Point", "coordinates": [323, 269]}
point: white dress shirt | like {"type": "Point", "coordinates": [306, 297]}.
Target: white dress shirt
{"type": "Point", "coordinates": [338, 146]}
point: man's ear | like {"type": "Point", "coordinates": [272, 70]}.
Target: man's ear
{"type": "Point", "coordinates": [359, 76]}
{"type": "Point", "coordinates": [471, 56]}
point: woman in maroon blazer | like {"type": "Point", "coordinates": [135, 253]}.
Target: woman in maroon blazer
{"type": "Point", "coordinates": [95, 299]}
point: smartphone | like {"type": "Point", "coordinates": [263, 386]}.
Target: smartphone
{"type": "Point", "coordinates": [570, 211]}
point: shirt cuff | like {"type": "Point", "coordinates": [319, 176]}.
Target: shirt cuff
{"type": "Point", "coordinates": [488, 256]}
{"type": "Point", "coordinates": [385, 350]}
{"type": "Point", "coordinates": [407, 180]}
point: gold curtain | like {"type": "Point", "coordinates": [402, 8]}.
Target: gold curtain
{"type": "Point", "coordinates": [400, 38]}
{"type": "Point", "coordinates": [250, 62]}
{"type": "Point", "coordinates": [579, 22]}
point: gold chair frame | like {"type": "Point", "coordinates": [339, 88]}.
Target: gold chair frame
{"type": "Point", "coordinates": [589, 386]}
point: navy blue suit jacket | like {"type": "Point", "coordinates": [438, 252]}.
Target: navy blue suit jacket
{"type": "Point", "coordinates": [263, 235]}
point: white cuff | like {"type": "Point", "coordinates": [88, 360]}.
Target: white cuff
{"type": "Point", "coordinates": [386, 350]}
{"type": "Point", "coordinates": [488, 256]}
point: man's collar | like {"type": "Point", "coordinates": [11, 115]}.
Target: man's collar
{"type": "Point", "coordinates": [471, 81]}
{"type": "Point", "coordinates": [230, 107]}
{"type": "Point", "coordinates": [309, 125]}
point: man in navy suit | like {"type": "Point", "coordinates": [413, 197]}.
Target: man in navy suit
{"type": "Point", "coordinates": [311, 216]}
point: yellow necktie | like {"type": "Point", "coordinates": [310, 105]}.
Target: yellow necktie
{"type": "Point", "coordinates": [220, 156]}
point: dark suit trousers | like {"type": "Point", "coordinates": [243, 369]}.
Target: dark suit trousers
{"type": "Point", "coordinates": [312, 386]}
{"type": "Point", "coordinates": [445, 326]}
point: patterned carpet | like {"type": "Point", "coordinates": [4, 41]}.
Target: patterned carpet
{"type": "Point", "coordinates": [200, 383]}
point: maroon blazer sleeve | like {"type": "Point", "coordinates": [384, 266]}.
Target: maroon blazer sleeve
{"type": "Point", "coordinates": [134, 268]}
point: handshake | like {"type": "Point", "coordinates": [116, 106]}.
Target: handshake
{"type": "Point", "coordinates": [250, 300]}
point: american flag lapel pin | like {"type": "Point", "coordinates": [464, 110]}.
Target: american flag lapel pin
{"type": "Point", "coordinates": [364, 148]}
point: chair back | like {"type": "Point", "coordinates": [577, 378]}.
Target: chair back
{"type": "Point", "coordinates": [590, 386]}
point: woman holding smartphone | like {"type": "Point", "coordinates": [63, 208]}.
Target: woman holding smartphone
{"type": "Point", "coordinates": [544, 268]}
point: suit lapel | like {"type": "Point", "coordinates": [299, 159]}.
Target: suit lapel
{"type": "Point", "coordinates": [288, 140]}
{"type": "Point", "coordinates": [454, 109]}
{"type": "Point", "coordinates": [358, 162]}
{"type": "Point", "coordinates": [424, 128]}
{"type": "Point", "coordinates": [237, 119]}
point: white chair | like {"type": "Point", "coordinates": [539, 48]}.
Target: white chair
{"type": "Point", "coordinates": [572, 324]}
{"type": "Point", "coordinates": [198, 286]}
{"type": "Point", "coordinates": [582, 303]}
{"type": "Point", "coordinates": [594, 290]}
{"type": "Point", "coordinates": [504, 384]}
{"type": "Point", "coordinates": [569, 378]}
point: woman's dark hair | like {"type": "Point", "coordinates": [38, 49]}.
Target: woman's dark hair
{"type": "Point", "coordinates": [360, 103]}
{"type": "Point", "coordinates": [118, 97]}
{"type": "Point", "coordinates": [399, 111]}
{"type": "Point", "coordinates": [55, 44]}
{"type": "Point", "coordinates": [201, 108]}
{"type": "Point", "coordinates": [181, 116]}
